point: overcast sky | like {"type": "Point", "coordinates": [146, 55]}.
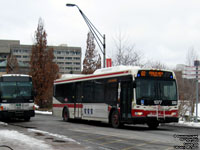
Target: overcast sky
{"type": "Point", "coordinates": [163, 30]}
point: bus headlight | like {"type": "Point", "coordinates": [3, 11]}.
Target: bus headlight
{"type": "Point", "coordinates": [173, 113]}
{"type": "Point", "coordinates": [139, 113]}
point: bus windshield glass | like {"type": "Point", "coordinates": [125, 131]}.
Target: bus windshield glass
{"type": "Point", "coordinates": [16, 90]}
{"type": "Point", "coordinates": [151, 89]}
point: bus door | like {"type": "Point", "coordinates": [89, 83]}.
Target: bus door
{"type": "Point", "coordinates": [126, 100]}
{"type": "Point", "coordinates": [78, 101]}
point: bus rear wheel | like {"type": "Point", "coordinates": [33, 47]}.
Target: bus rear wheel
{"type": "Point", "coordinates": [65, 115]}
{"type": "Point", "coordinates": [115, 119]}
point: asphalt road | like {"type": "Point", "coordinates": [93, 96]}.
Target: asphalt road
{"type": "Point", "coordinates": [100, 136]}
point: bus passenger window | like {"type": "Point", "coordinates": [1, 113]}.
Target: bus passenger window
{"type": "Point", "coordinates": [111, 93]}
{"type": "Point", "coordinates": [99, 91]}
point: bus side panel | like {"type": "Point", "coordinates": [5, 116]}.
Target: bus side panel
{"type": "Point", "coordinates": [95, 111]}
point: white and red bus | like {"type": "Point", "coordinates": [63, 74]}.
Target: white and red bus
{"type": "Point", "coordinates": [118, 95]}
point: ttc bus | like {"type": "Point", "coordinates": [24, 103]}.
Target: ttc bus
{"type": "Point", "coordinates": [16, 97]}
{"type": "Point", "coordinates": [118, 95]}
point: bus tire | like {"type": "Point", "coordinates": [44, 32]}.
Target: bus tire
{"type": "Point", "coordinates": [65, 114]}
{"type": "Point", "coordinates": [27, 119]}
{"type": "Point", "coordinates": [153, 125]}
{"type": "Point", "coordinates": [115, 119]}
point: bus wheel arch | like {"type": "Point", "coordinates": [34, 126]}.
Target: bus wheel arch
{"type": "Point", "coordinates": [153, 125]}
{"type": "Point", "coordinates": [114, 118]}
{"type": "Point", "coordinates": [65, 114]}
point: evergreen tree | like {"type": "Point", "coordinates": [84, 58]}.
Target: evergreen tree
{"type": "Point", "coordinates": [92, 60]}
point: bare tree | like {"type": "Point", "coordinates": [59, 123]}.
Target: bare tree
{"type": "Point", "coordinates": [155, 64]}
{"type": "Point", "coordinates": [92, 60]}
{"type": "Point", "coordinates": [42, 68]}
{"type": "Point", "coordinates": [12, 64]}
{"type": "Point", "coordinates": [126, 54]}
{"type": "Point", "coordinates": [191, 56]}
{"type": "Point", "coordinates": [187, 86]}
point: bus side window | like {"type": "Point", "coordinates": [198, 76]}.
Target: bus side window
{"type": "Point", "coordinates": [69, 93]}
{"type": "Point", "coordinates": [59, 92]}
{"type": "Point", "coordinates": [99, 89]}
{"type": "Point", "coordinates": [88, 91]}
{"type": "Point", "coordinates": [64, 93]}
{"type": "Point", "coordinates": [111, 92]}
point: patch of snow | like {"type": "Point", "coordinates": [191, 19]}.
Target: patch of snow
{"type": "Point", "coordinates": [3, 123]}
{"type": "Point", "coordinates": [191, 124]}
{"type": "Point", "coordinates": [54, 135]}
{"type": "Point", "coordinates": [18, 139]}
{"type": "Point", "coordinates": [195, 110]}
{"type": "Point", "coordinates": [43, 112]}
{"type": "Point", "coordinates": [36, 106]}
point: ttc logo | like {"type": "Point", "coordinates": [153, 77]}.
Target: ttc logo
{"type": "Point", "coordinates": [88, 111]}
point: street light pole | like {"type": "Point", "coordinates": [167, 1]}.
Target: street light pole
{"type": "Point", "coordinates": [95, 33]}
{"type": "Point", "coordinates": [197, 64]}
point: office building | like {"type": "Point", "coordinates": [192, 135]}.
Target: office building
{"type": "Point", "coordinates": [67, 58]}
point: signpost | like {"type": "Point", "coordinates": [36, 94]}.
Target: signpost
{"type": "Point", "coordinates": [193, 72]}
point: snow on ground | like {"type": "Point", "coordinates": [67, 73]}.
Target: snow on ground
{"type": "Point", "coordinates": [15, 138]}
{"type": "Point", "coordinates": [43, 112]}
{"type": "Point", "coordinates": [189, 124]}
{"type": "Point", "coordinates": [3, 123]}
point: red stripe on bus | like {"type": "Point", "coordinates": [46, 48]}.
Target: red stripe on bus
{"type": "Point", "coordinates": [94, 76]}
{"type": "Point", "coordinates": [68, 105]}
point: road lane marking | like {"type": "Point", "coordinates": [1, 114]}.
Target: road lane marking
{"type": "Point", "coordinates": [114, 141]}
{"type": "Point", "coordinates": [169, 148]}
{"type": "Point", "coordinates": [102, 137]}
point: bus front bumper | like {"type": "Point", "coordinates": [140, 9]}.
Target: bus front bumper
{"type": "Point", "coordinates": [143, 120]}
{"type": "Point", "coordinates": [16, 114]}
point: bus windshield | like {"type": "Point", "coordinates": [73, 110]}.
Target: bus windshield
{"type": "Point", "coordinates": [151, 89]}
{"type": "Point", "coordinates": [16, 90]}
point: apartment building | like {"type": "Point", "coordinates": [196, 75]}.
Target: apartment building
{"type": "Point", "coordinates": [67, 58]}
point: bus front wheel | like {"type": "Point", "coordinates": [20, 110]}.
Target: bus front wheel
{"type": "Point", "coordinates": [115, 119]}
{"type": "Point", "coordinates": [27, 118]}
{"type": "Point", "coordinates": [153, 125]}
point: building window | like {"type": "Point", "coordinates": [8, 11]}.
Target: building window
{"type": "Point", "coordinates": [76, 58]}
{"type": "Point", "coordinates": [60, 63]}
{"type": "Point", "coordinates": [60, 57]}
{"type": "Point", "coordinates": [77, 63]}
{"type": "Point", "coordinates": [68, 63]}
{"type": "Point", "coordinates": [77, 68]}
{"type": "Point", "coordinates": [25, 56]}
{"type": "Point", "coordinates": [58, 52]}
{"type": "Point", "coordinates": [18, 56]}
{"type": "Point", "coordinates": [68, 58]}
{"type": "Point", "coordinates": [77, 53]}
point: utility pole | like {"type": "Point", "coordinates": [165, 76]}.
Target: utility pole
{"type": "Point", "coordinates": [196, 64]}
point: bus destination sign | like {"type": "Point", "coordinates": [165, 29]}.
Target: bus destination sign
{"type": "Point", "coordinates": [154, 73]}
